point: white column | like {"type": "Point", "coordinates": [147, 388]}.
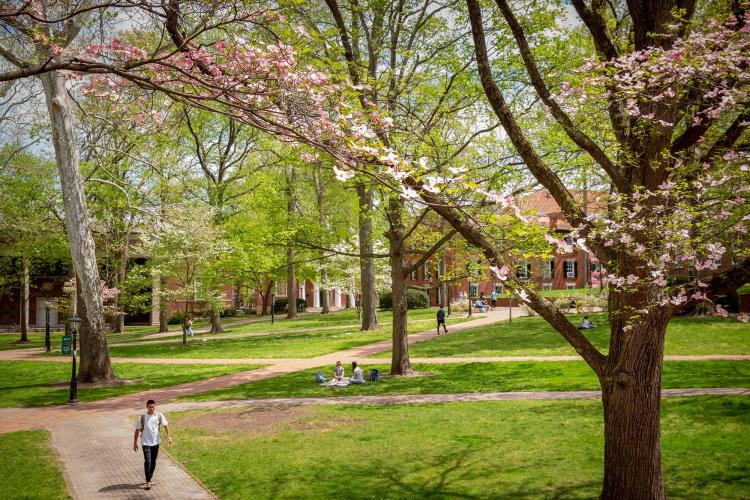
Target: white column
{"type": "Point", "coordinates": [316, 295]}
{"type": "Point", "coordinates": [301, 292]}
{"type": "Point", "coordinates": [155, 310]}
{"type": "Point", "coordinates": [337, 297]}
{"type": "Point", "coordinates": [351, 295]}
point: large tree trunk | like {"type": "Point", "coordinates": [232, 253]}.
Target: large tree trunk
{"type": "Point", "coordinates": [94, 357]}
{"type": "Point", "coordinates": [325, 305]}
{"type": "Point", "coordinates": [369, 300]}
{"type": "Point", "coordinates": [95, 364]}
{"type": "Point", "coordinates": [216, 326]}
{"type": "Point", "coordinates": [25, 302]}
{"type": "Point", "coordinates": [631, 394]}
{"type": "Point", "coordinates": [163, 307]}
{"type": "Point", "coordinates": [119, 322]}
{"type": "Point", "coordinates": [400, 364]}
{"type": "Point", "coordinates": [291, 285]}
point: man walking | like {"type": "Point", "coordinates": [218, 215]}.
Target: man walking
{"type": "Point", "coordinates": [148, 428]}
{"type": "Point", "coordinates": [441, 319]}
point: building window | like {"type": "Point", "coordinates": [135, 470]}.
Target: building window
{"type": "Point", "coordinates": [426, 270]}
{"type": "Point", "coordinates": [523, 271]}
{"type": "Point", "coordinates": [499, 289]}
{"type": "Point", "coordinates": [414, 275]}
{"type": "Point", "coordinates": [571, 268]}
{"type": "Point", "coordinates": [548, 269]}
{"type": "Point", "coordinates": [570, 286]}
{"type": "Point", "coordinates": [281, 288]}
{"type": "Point", "coordinates": [473, 289]}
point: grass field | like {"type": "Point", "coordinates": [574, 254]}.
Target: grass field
{"type": "Point", "coordinates": [311, 340]}
{"type": "Point", "coordinates": [29, 467]}
{"type": "Point", "coordinates": [482, 377]}
{"type": "Point", "coordinates": [35, 383]}
{"type": "Point", "coordinates": [534, 337]}
{"type": "Point", "coordinates": [503, 449]}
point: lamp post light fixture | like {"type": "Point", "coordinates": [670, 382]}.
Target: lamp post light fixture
{"type": "Point", "coordinates": [75, 324]}
{"type": "Point", "coordinates": [47, 305]}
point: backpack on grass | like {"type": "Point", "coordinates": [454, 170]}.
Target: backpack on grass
{"type": "Point", "coordinates": [374, 375]}
{"type": "Point", "coordinates": [320, 378]}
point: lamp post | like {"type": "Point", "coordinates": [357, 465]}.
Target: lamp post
{"type": "Point", "coordinates": [273, 307]}
{"type": "Point", "coordinates": [47, 305]}
{"type": "Point", "coordinates": [75, 324]}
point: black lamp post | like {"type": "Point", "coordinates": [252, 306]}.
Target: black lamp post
{"type": "Point", "coordinates": [75, 324]}
{"type": "Point", "coordinates": [273, 307]}
{"type": "Point", "coordinates": [47, 305]}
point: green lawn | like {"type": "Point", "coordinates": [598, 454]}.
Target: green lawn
{"type": "Point", "coordinates": [29, 467]}
{"type": "Point", "coordinates": [36, 339]}
{"type": "Point", "coordinates": [483, 377]}
{"type": "Point", "coordinates": [36, 383]}
{"type": "Point", "coordinates": [340, 321]}
{"type": "Point", "coordinates": [499, 449]}
{"type": "Point", "coordinates": [534, 337]}
{"type": "Point", "coordinates": [308, 342]}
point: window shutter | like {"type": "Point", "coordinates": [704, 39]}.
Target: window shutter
{"type": "Point", "coordinates": [552, 268]}
{"type": "Point", "coordinates": [575, 268]}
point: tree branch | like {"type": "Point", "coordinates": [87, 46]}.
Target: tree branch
{"type": "Point", "coordinates": [429, 253]}
{"type": "Point", "coordinates": [538, 168]}
{"type": "Point", "coordinates": [574, 133]}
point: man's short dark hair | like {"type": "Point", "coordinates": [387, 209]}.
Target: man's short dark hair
{"type": "Point", "coordinates": [150, 402]}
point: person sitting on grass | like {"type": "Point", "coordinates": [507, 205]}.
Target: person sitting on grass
{"type": "Point", "coordinates": [480, 306]}
{"type": "Point", "coordinates": [358, 377]}
{"type": "Point", "coordinates": [338, 372]}
{"type": "Point", "coordinates": [586, 324]}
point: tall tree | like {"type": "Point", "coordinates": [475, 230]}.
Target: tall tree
{"type": "Point", "coordinates": [676, 171]}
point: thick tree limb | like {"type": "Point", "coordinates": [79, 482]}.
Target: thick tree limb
{"type": "Point", "coordinates": [536, 165]}
{"type": "Point", "coordinates": [574, 133]}
{"type": "Point", "coordinates": [719, 284]}
{"type": "Point", "coordinates": [429, 253]}
{"type": "Point", "coordinates": [597, 27]}
{"type": "Point", "coordinates": [472, 233]}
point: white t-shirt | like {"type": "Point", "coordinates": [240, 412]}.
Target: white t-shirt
{"type": "Point", "coordinates": [358, 375]}
{"type": "Point", "coordinates": [150, 435]}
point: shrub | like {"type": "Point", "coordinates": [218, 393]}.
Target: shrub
{"type": "Point", "coordinates": [177, 318]}
{"type": "Point", "coordinates": [280, 305]}
{"type": "Point", "coordinates": [228, 313]}
{"type": "Point", "coordinates": [415, 299]}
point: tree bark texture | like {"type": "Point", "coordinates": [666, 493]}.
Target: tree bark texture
{"type": "Point", "coordinates": [400, 364]}
{"type": "Point", "coordinates": [25, 302]}
{"type": "Point", "coordinates": [95, 364]}
{"type": "Point", "coordinates": [163, 308]}
{"type": "Point", "coordinates": [631, 395]}
{"type": "Point", "coordinates": [369, 300]}
{"type": "Point", "coordinates": [325, 306]}
{"type": "Point", "coordinates": [94, 355]}
{"type": "Point", "coordinates": [216, 326]}
{"type": "Point", "coordinates": [291, 285]}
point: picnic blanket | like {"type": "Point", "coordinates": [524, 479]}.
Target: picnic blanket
{"type": "Point", "coordinates": [336, 383]}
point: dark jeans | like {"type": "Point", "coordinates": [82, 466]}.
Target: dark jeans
{"type": "Point", "coordinates": [149, 460]}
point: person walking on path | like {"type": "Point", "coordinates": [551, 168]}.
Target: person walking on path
{"type": "Point", "coordinates": [494, 300]}
{"type": "Point", "coordinates": [148, 428]}
{"type": "Point", "coordinates": [189, 326]}
{"type": "Point", "coordinates": [441, 319]}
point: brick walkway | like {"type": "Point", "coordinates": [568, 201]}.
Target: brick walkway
{"type": "Point", "coordinates": [104, 465]}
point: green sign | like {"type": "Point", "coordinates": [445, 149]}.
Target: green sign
{"type": "Point", "coordinates": [66, 344]}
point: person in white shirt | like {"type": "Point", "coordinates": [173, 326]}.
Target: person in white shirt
{"type": "Point", "coordinates": [148, 428]}
{"type": "Point", "coordinates": [358, 377]}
